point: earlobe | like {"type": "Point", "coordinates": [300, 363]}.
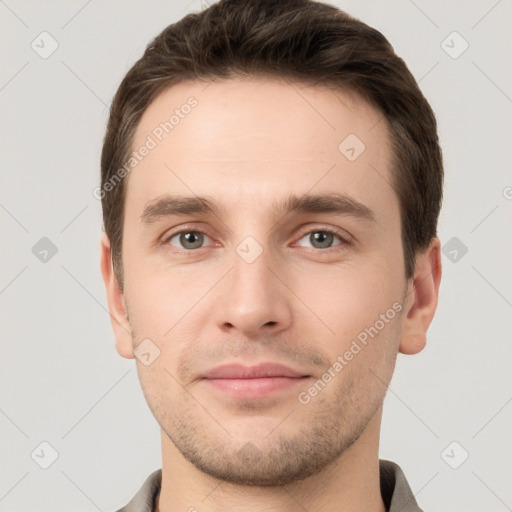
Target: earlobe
{"type": "Point", "coordinates": [116, 302]}
{"type": "Point", "coordinates": [421, 301]}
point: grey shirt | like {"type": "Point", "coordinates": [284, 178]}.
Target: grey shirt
{"type": "Point", "coordinates": [395, 490]}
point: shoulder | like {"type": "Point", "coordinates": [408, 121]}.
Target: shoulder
{"type": "Point", "coordinates": [396, 492]}
{"type": "Point", "coordinates": [144, 499]}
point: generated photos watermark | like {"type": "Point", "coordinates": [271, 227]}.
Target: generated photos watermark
{"type": "Point", "coordinates": [156, 136]}
{"type": "Point", "coordinates": [357, 345]}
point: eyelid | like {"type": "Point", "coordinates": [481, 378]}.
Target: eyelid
{"type": "Point", "coordinates": [345, 237]}
{"type": "Point", "coordinates": [165, 240]}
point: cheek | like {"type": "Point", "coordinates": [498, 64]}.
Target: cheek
{"type": "Point", "coordinates": [159, 295]}
{"type": "Point", "coordinates": [345, 296]}
{"type": "Point", "coordinates": [362, 348]}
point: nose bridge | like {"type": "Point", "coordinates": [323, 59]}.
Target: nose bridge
{"type": "Point", "coordinates": [251, 284]}
{"type": "Point", "coordinates": [253, 298]}
{"type": "Point", "coordinates": [250, 269]}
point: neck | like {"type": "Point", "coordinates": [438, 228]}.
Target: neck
{"type": "Point", "coordinates": [349, 483]}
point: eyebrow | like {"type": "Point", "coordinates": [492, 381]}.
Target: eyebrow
{"type": "Point", "coordinates": [341, 204]}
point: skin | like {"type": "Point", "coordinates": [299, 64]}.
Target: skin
{"type": "Point", "coordinates": [248, 145]}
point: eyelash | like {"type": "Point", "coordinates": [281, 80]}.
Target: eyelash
{"type": "Point", "coordinates": [345, 241]}
{"type": "Point", "coordinates": [332, 231]}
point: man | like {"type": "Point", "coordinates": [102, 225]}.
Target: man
{"type": "Point", "coordinates": [271, 184]}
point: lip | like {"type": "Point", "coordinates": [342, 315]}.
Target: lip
{"type": "Point", "coordinates": [253, 382]}
{"type": "Point", "coordinates": [262, 370]}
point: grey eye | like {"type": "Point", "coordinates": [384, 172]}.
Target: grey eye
{"type": "Point", "coordinates": [320, 239]}
{"type": "Point", "coordinates": [188, 240]}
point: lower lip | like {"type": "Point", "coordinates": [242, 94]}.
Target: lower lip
{"type": "Point", "coordinates": [255, 388]}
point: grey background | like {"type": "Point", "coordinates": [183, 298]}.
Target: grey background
{"type": "Point", "coordinates": [62, 380]}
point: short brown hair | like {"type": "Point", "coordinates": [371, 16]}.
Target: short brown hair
{"type": "Point", "coordinates": [309, 42]}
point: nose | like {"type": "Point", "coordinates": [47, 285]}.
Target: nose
{"type": "Point", "coordinates": [254, 300]}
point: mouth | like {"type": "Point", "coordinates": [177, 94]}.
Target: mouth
{"type": "Point", "coordinates": [253, 382]}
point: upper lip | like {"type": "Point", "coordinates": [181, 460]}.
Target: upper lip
{"type": "Point", "coordinates": [262, 370]}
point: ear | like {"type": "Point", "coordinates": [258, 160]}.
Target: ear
{"type": "Point", "coordinates": [421, 302]}
{"type": "Point", "coordinates": [116, 302]}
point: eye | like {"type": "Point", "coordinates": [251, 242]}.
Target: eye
{"type": "Point", "coordinates": [188, 240]}
{"type": "Point", "coordinates": [322, 239]}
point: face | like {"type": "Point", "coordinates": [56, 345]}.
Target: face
{"type": "Point", "coordinates": [263, 259]}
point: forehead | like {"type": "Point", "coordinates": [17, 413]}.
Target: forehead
{"type": "Point", "coordinates": [233, 137]}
